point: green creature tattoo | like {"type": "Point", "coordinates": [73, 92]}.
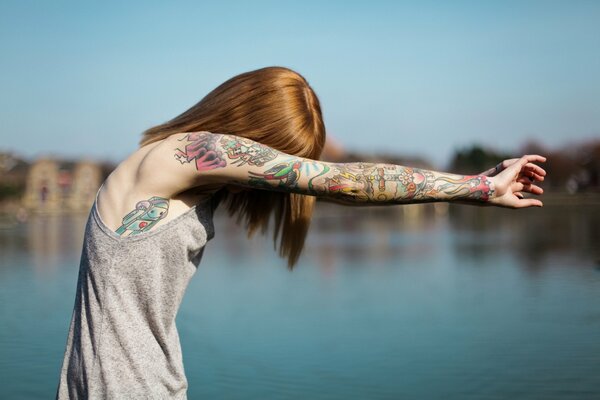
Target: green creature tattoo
{"type": "Point", "coordinates": [358, 182]}
{"type": "Point", "coordinates": [147, 213]}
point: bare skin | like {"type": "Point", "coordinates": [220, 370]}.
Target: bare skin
{"type": "Point", "coordinates": [137, 179]}
{"type": "Point", "coordinates": [173, 174]}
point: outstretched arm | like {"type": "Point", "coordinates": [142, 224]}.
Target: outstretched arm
{"type": "Point", "coordinates": [229, 159]}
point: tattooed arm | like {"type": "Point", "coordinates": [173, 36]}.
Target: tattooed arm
{"type": "Point", "coordinates": [228, 159]}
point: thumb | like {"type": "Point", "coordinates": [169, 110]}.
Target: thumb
{"type": "Point", "coordinates": [519, 164]}
{"type": "Point", "coordinates": [514, 169]}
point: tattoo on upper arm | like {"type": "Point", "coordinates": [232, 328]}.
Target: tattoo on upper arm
{"type": "Point", "coordinates": [202, 150]}
{"type": "Point", "coordinates": [146, 214]}
{"type": "Point", "coordinates": [247, 153]}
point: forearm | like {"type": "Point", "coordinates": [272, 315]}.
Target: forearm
{"type": "Point", "coordinates": [380, 183]}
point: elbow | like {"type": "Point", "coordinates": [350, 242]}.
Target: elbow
{"type": "Point", "coordinates": [356, 193]}
{"type": "Point", "coordinates": [345, 194]}
{"type": "Point", "coordinates": [353, 194]}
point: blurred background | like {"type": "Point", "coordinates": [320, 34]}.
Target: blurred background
{"type": "Point", "coordinates": [417, 301]}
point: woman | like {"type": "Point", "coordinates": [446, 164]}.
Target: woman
{"type": "Point", "coordinates": [252, 144]}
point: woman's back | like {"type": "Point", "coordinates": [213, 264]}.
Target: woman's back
{"type": "Point", "coordinates": [123, 342]}
{"type": "Point", "coordinates": [148, 172]}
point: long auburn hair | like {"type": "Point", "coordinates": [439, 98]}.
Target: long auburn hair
{"type": "Point", "coordinates": [276, 107]}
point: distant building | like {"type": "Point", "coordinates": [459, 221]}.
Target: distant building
{"type": "Point", "coordinates": [13, 173]}
{"type": "Point", "coordinates": [61, 186]}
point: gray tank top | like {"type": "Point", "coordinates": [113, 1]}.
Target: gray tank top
{"type": "Point", "coordinates": [122, 341]}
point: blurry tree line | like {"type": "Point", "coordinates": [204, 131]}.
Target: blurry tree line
{"type": "Point", "coordinates": [573, 169]}
{"type": "Point", "coordinates": [13, 175]}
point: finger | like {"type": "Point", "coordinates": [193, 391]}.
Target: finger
{"type": "Point", "coordinates": [527, 160]}
{"type": "Point", "coordinates": [535, 157]}
{"type": "Point", "coordinates": [526, 180]}
{"type": "Point", "coordinates": [534, 189]}
{"type": "Point", "coordinates": [535, 177]}
{"type": "Point", "coordinates": [518, 166]}
{"type": "Point", "coordinates": [530, 177]}
{"type": "Point", "coordinates": [519, 195]}
{"type": "Point", "coordinates": [522, 203]}
{"type": "Point", "coordinates": [507, 163]}
{"type": "Point", "coordinates": [526, 164]}
{"type": "Point", "coordinates": [517, 186]}
{"type": "Point", "coordinates": [535, 169]}
{"type": "Point", "coordinates": [526, 187]}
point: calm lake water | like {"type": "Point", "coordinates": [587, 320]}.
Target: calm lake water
{"type": "Point", "coordinates": [404, 302]}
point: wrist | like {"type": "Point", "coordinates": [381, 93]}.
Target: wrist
{"type": "Point", "coordinates": [487, 188]}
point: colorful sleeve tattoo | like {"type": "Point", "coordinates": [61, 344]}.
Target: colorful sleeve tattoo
{"type": "Point", "coordinates": [247, 163]}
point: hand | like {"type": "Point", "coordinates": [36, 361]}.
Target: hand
{"type": "Point", "coordinates": [515, 176]}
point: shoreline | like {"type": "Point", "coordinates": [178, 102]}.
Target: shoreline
{"type": "Point", "coordinates": [12, 212]}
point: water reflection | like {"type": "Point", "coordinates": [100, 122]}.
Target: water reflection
{"type": "Point", "coordinates": [363, 236]}
{"type": "Point", "coordinates": [537, 237]}
{"type": "Point", "coordinates": [483, 302]}
{"type": "Point", "coordinates": [379, 234]}
{"type": "Point", "coordinates": [46, 239]}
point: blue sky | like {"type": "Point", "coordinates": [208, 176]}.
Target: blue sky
{"type": "Point", "coordinates": [413, 78]}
